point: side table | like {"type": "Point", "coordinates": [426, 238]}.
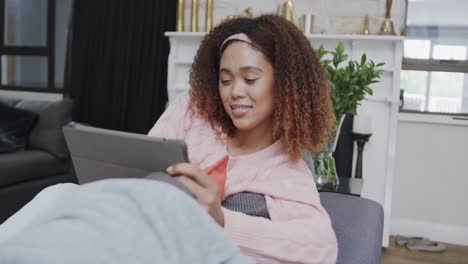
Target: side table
{"type": "Point", "coordinates": [351, 186]}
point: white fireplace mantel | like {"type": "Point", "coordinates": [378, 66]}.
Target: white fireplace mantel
{"type": "Point", "coordinates": [382, 107]}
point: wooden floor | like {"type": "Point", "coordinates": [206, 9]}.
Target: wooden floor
{"type": "Point", "coordinates": [401, 255]}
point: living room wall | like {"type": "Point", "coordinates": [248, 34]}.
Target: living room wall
{"type": "Point", "coordinates": [429, 191]}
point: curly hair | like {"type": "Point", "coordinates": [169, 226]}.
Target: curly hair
{"type": "Point", "coordinates": [305, 119]}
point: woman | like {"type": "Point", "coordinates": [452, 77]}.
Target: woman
{"type": "Point", "coordinates": [258, 99]}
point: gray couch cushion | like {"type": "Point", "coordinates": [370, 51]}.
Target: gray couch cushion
{"type": "Point", "coordinates": [358, 225]}
{"type": "Point", "coordinates": [47, 135]}
{"type": "Point", "coordinates": [9, 100]}
{"type": "Point", "coordinates": [26, 165]}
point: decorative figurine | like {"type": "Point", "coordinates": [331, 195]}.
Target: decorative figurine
{"type": "Point", "coordinates": [387, 25]}
{"type": "Point", "coordinates": [366, 30]}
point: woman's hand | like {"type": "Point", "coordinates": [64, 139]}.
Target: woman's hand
{"type": "Point", "coordinates": [203, 187]}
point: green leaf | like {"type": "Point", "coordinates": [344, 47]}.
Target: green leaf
{"type": "Point", "coordinates": [363, 59]}
{"type": "Point", "coordinates": [343, 57]}
{"type": "Point", "coordinates": [322, 51]}
{"type": "Point", "coordinates": [325, 63]}
{"type": "Point", "coordinates": [340, 48]}
{"type": "Point", "coordinates": [336, 61]}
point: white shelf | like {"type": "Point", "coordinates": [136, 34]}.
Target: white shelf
{"type": "Point", "coordinates": [185, 34]}
{"type": "Point", "coordinates": [381, 99]}
{"type": "Point", "coordinates": [309, 36]}
{"type": "Point", "coordinates": [354, 37]}
{"type": "Point", "coordinates": [184, 62]}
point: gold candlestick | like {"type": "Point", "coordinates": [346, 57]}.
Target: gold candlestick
{"type": "Point", "coordinates": [387, 25]}
{"type": "Point", "coordinates": [194, 17]}
{"type": "Point", "coordinates": [209, 15]}
{"type": "Point", "coordinates": [287, 10]}
{"type": "Point", "coordinates": [180, 15]}
{"type": "Point", "coordinates": [366, 30]}
{"type": "Point", "coordinates": [388, 7]}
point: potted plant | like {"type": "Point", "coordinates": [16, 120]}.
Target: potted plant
{"type": "Point", "coordinates": [350, 84]}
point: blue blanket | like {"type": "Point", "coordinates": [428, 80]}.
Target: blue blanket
{"type": "Point", "coordinates": [122, 221]}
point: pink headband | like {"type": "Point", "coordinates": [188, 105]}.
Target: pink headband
{"type": "Point", "coordinates": [240, 37]}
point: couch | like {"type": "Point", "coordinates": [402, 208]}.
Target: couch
{"type": "Point", "coordinates": [358, 225]}
{"type": "Point", "coordinates": [44, 160]}
{"type": "Point", "coordinates": [357, 222]}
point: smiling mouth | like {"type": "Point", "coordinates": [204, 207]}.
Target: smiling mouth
{"type": "Point", "coordinates": [240, 110]}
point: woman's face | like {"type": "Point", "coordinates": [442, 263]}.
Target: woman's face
{"type": "Point", "coordinates": [246, 87]}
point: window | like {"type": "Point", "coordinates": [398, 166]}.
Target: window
{"type": "Point", "coordinates": [435, 66]}
{"type": "Point", "coordinates": [32, 44]}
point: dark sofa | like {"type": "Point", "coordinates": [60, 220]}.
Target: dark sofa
{"type": "Point", "coordinates": [43, 162]}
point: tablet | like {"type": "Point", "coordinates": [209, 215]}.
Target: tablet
{"type": "Point", "coordinates": [99, 154]}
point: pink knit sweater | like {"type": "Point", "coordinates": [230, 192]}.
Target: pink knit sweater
{"type": "Point", "coordinates": [299, 230]}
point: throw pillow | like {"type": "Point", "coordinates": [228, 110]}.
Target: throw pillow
{"type": "Point", "coordinates": [15, 125]}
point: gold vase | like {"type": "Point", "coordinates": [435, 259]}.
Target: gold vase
{"type": "Point", "coordinates": [209, 15]}
{"type": "Point", "coordinates": [286, 10]}
{"type": "Point", "coordinates": [387, 25]}
{"type": "Point", "coordinates": [180, 15]}
{"type": "Point", "coordinates": [194, 17]}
